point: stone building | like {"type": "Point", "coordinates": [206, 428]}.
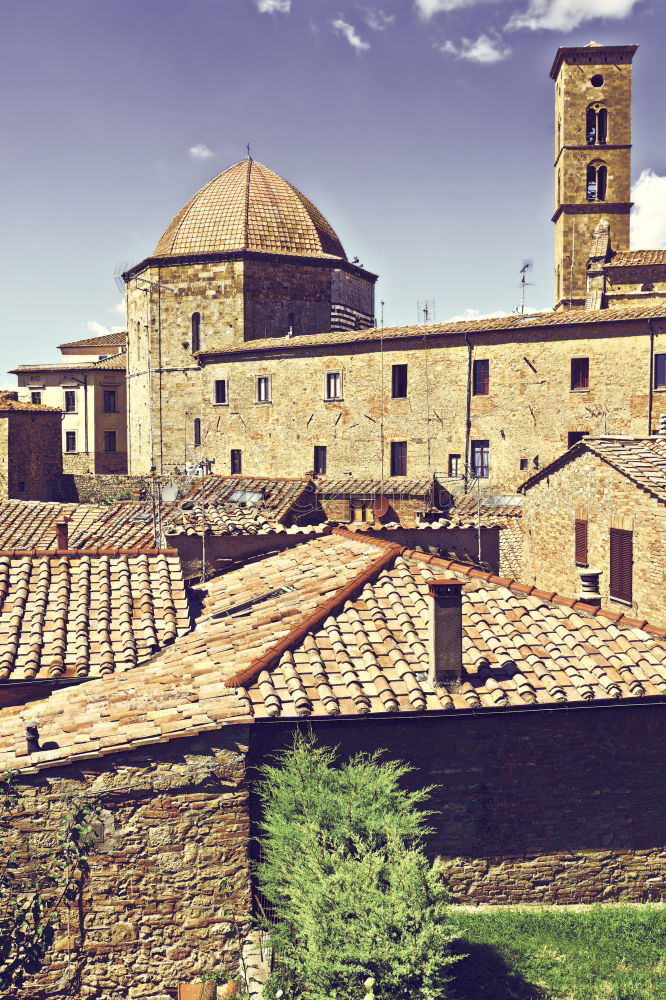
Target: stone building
{"type": "Point", "coordinates": [479, 682]}
{"type": "Point", "coordinates": [595, 524]}
{"type": "Point", "coordinates": [30, 449]}
{"type": "Point", "coordinates": [89, 388]}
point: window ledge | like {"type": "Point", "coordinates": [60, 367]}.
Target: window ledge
{"type": "Point", "coordinates": [333, 399]}
{"type": "Point", "coordinates": [621, 600]}
{"type": "Point", "coordinates": [659, 388]}
{"type": "Point", "coordinates": [258, 402]}
{"type": "Point", "coordinates": [220, 404]}
{"type": "Point", "coordinates": [579, 390]}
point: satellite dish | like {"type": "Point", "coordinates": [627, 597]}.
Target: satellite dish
{"type": "Point", "coordinates": [380, 506]}
{"type": "Point", "coordinates": [169, 491]}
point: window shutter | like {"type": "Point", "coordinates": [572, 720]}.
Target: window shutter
{"type": "Point", "coordinates": [621, 559]}
{"type": "Point", "coordinates": [580, 550]}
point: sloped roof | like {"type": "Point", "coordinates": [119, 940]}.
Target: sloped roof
{"type": "Point", "coordinates": [249, 207]}
{"type": "Point", "coordinates": [117, 362]}
{"type": "Point", "coordinates": [368, 486]}
{"type": "Point", "coordinates": [642, 460]}
{"type": "Point", "coordinates": [634, 258]}
{"type": "Point", "coordinates": [275, 496]}
{"type": "Point", "coordinates": [338, 626]}
{"type": "Point", "coordinates": [117, 339]}
{"type": "Point", "coordinates": [9, 402]}
{"type": "Point", "coordinates": [488, 510]}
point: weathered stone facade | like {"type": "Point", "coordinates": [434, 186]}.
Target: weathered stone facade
{"type": "Point", "coordinates": [169, 865]}
{"type": "Point", "coordinates": [30, 453]}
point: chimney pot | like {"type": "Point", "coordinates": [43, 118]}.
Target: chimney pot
{"type": "Point", "coordinates": [589, 586]}
{"type": "Point", "coordinates": [61, 526]}
{"type": "Point", "coordinates": [32, 737]}
{"type": "Point", "coordinates": [446, 632]}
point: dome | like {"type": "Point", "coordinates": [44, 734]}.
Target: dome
{"type": "Point", "coordinates": [248, 207]}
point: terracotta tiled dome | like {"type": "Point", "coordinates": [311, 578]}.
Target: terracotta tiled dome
{"type": "Point", "coordinates": [248, 207]}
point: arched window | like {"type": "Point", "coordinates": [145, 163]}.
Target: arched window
{"type": "Point", "coordinates": [197, 432]}
{"type": "Point", "coordinates": [596, 182]}
{"type": "Point", "coordinates": [596, 125]}
{"type": "Point", "coordinates": [196, 332]}
{"type": "Point", "coordinates": [647, 287]}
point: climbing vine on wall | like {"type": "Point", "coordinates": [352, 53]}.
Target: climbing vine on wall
{"type": "Point", "coordinates": [33, 891]}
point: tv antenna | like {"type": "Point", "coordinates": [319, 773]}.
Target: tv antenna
{"type": "Point", "coordinates": [121, 267]}
{"type": "Point", "coordinates": [425, 311]}
{"type": "Point", "coordinates": [524, 283]}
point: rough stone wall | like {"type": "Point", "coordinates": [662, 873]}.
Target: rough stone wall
{"type": "Point", "coordinates": [590, 489]}
{"type": "Point", "coordinates": [34, 456]}
{"type": "Point", "coordinates": [525, 417]}
{"type": "Point", "coordinates": [170, 862]}
{"type": "Point", "coordinates": [275, 290]}
{"type": "Point", "coordinates": [405, 510]}
{"type": "Point", "coordinates": [104, 488]}
{"type": "Point", "coordinates": [531, 807]}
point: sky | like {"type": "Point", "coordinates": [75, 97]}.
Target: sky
{"type": "Point", "coordinates": [422, 130]}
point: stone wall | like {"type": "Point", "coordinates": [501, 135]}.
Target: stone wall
{"type": "Point", "coordinates": [591, 490]}
{"type": "Point", "coordinates": [170, 863]}
{"type": "Point", "coordinates": [31, 464]}
{"type": "Point", "coordinates": [538, 806]}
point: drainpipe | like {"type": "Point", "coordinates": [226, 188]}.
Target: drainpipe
{"type": "Point", "coordinates": [468, 414]}
{"type": "Point", "coordinates": [84, 383]}
{"type": "Point", "coordinates": [651, 378]}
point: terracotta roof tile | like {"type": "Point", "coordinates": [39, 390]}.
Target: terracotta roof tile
{"type": "Point", "coordinates": [9, 402]}
{"type": "Point", "coordinates": [117, 362]}
{"type": "Point", "coordinates": [631, 258]}
{"type": "Point", "coordinates": [118, 339]}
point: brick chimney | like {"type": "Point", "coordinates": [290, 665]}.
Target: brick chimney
{"type": "Point", "coordinates": [445, 632]}
{"type": "Point", "coordinates": [662, 425]}
{"type": "Point", "coordinates": [589, 586]}
{"type": "Point", "coordinates": [62, 534]}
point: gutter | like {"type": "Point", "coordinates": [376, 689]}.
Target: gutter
{"type": "Point", "coordinates": [651, 379]}
{"type": "Point", "coordinates": [468, 412]}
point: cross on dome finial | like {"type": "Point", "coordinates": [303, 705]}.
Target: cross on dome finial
{"type": "Point", "coordinates": [249, 156]}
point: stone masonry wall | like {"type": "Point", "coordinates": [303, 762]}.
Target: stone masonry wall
{"type": "Point", "coordinates": [34, 462]}
{"type": "Point", "coordinates": [526, 417]}
{"type": "Point", "coordinates": [562, 806]}
{"type": "Point", "coordinates": [590, 489]}
{"type": "Point", "coordinates": [170, 863]}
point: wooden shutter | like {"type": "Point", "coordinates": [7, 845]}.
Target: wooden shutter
{"type": "Point", "coordinates": [621, 559]}
{"type": "Point", "coordinates": [481, 378]}
{"type": "Point", "coordinates": [580, 549]}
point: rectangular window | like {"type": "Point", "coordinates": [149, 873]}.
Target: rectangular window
{"type": "Point", "coordinates": [454, 465]}
{"type": "Point", "coordinates": [573, 437]}
{"type": "Point", "coordinates": [70, 400]}
{"type": "Point", "coordinates": [399, 381]}
{"type": "Point", "coordinates": [398, 458]}
{"type": "Point", "coordinates": [70, 440]}
{"type": "Point", "coordinates": [110, 401]}
{"type": "Point", "coordinates": [523, 464]}
{"type": "Point", "coordinates": [320, 460]}
{"type": "Point", "coordinates": [196, 436]}
{"type": "Point", "coordinates": [481, 378]}
{"type": "Point", "coordinates": [220, 391]}
{"type": "Point", "coordinates": [580, 544]}
{"type": "Point", "coordinates": [236, 461]}
{"type": "Point", "coordinates": [263, 388]}
{"type": "Point", "coordinates": [35, 397]}
{"type": "Point", "coordinates": [481, 459]}
{"type": "Point", "coordinates": [660, 371]}
{"type": "Point", "coordinates": [621, 559]}
{"type": "Point", "coordinates": [360, 511]}
{"type": "Point", "coordinates": [109, 440]}
{"type": "Point", "coordinates": [580, 373]}
{"type": "Point", "coordinates": [333, 385]}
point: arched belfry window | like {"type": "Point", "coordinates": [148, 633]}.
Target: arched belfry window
{"type": "Point", "coordinates": [196, 332]}
{"type": "Point", "coordinates": [596, 125]}
{"type": "Point", "coordinates": [597, 181]}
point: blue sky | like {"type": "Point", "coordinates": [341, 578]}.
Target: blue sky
{"type": "Point", "coordinates": [422, 129]}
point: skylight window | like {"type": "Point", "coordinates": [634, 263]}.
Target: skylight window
{"type": "Point", "coordinates": [240, 610]}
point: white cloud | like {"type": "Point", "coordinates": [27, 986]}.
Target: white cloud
{"type": "Point", "coordinates": [199, 152]}
{"type": "Point", "coordinates": [472, 314]}
{"type": "Point", "coordinates": [273, 6]}
{"type": "Point", "coordinates": [377, 19]}
{"type": "Point", "coordinates": [349, 32]}
{"type": "Point", "coordinates": [99, 330]}
{"type": "Point", "coordinates": [486, 49]}
{"type": "Point", "coordinates": [428, 8]}
{"type": "Point", "coordinates": [119, 308]}
{"type": "Point", "coordinates": [648, 219]}
{"type": "Point", "coordinates": [565, 15]}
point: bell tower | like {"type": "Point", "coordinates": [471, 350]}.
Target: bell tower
{"type": "Point", "coordinates": [592, 158]}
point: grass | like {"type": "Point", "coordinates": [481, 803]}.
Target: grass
{"type": "Point", "coordinates": [612, 952]}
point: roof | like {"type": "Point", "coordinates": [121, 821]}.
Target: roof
{"type": "Point", "coordinates": [190, 518]}
{"type": "Point", "coordinates": [643, 460]}
{"type": "Point", "coordinates": [634, 258]}
{"type": "Point", "coordinates": [582, 52]}
{"type": "Point", "coordinates": [9, 402]}
{"type": "Point", "coordinates": [486, 509]}
{"type": "Point", "coordinates": [118, 339]}
{"type": "Point", "coordinates": [117, 362]}
{"type": "Point", "coordinates": [338, 626]}
{"type": "Point", "coordinates": [248, 207]}
{"type": "Point", "coordinates": [85, 613]}
{"type": "Point", "coordinates": [276, 497]}
{"type": "Point", "coordinates": [391, 486]}
{"type": "Point", "coordinates": [535, 321]}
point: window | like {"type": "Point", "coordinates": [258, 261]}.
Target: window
{"type": "Point", "coordinates": [291, 321]}
{"type": "Point", "coordinates": [109, 440]}
{"type": "Point", "coordinates": [70, 440]}
{"type": "Point", "coordinates": [481, 459]}
{"type": "Point", "coordinates": [647, 287]}
{"type": "Point", "coordinates": [110, 401]}
{"type": "Point", "coordinates": [597, 80]}
{"type": "Point", "coordinates": [573, 437]}
{"type": "Point", "coordinates": [220, 391]}
{"type": "Point", "coordinates": [70, 400]}
{"type": "Point", "coordinates": [196, 332]}
{"type": "Point", "coordinates": [319, 460]}
{"type": "Point", "coordinates": [197, 432]}
{"type": "Point", "coordinates": [236, 461]}
{"type": "Point", "coordinates": [523, 464]}
{"type": "Point", "coordinates": [398, 458]}
{"type": "Point", "coordinates": [454, 465]}
{"type": "Point", "coordinates": [481, 378]}
{"type": "Point", "coordinates": [596, 126]}
{"type": "Point", "coordinates": [35, 397]}
{"type": "Point", "coordinates": [361, 511]}
{"type": "Point", "coordinates": [399, 381]}
{"type": "Point", "coordinates": [333, 385]}
{"type": "Point", "coordinates": [660, 371]}
{"type": "Point", "coordinates": [621, 558]}
{"type": "Point", "coordinates": [597, 179]}
{"type": "Point", "coordinates": [580, 542]}
{"type": "Point", "coordinates": [263, 388]}
{"type": "Point", "coordinates": [21, 486]}
{"type": "Point", "coordinates": [580, 373]}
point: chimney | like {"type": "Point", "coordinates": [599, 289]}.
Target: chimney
{"type": "Point", "coordinates": [62, 534]}
{"type": "Point", "coordinates": [589, 586]}
{"type": "Point", "coordinates": [662, 425]}
{"type": "Point", "coordinates": [32, 737]}
{"type": "Point", "coordinates": [445, 632]}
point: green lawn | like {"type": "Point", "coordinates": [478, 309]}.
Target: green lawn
{"type": "Point", "coordinates": [611, 952]}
